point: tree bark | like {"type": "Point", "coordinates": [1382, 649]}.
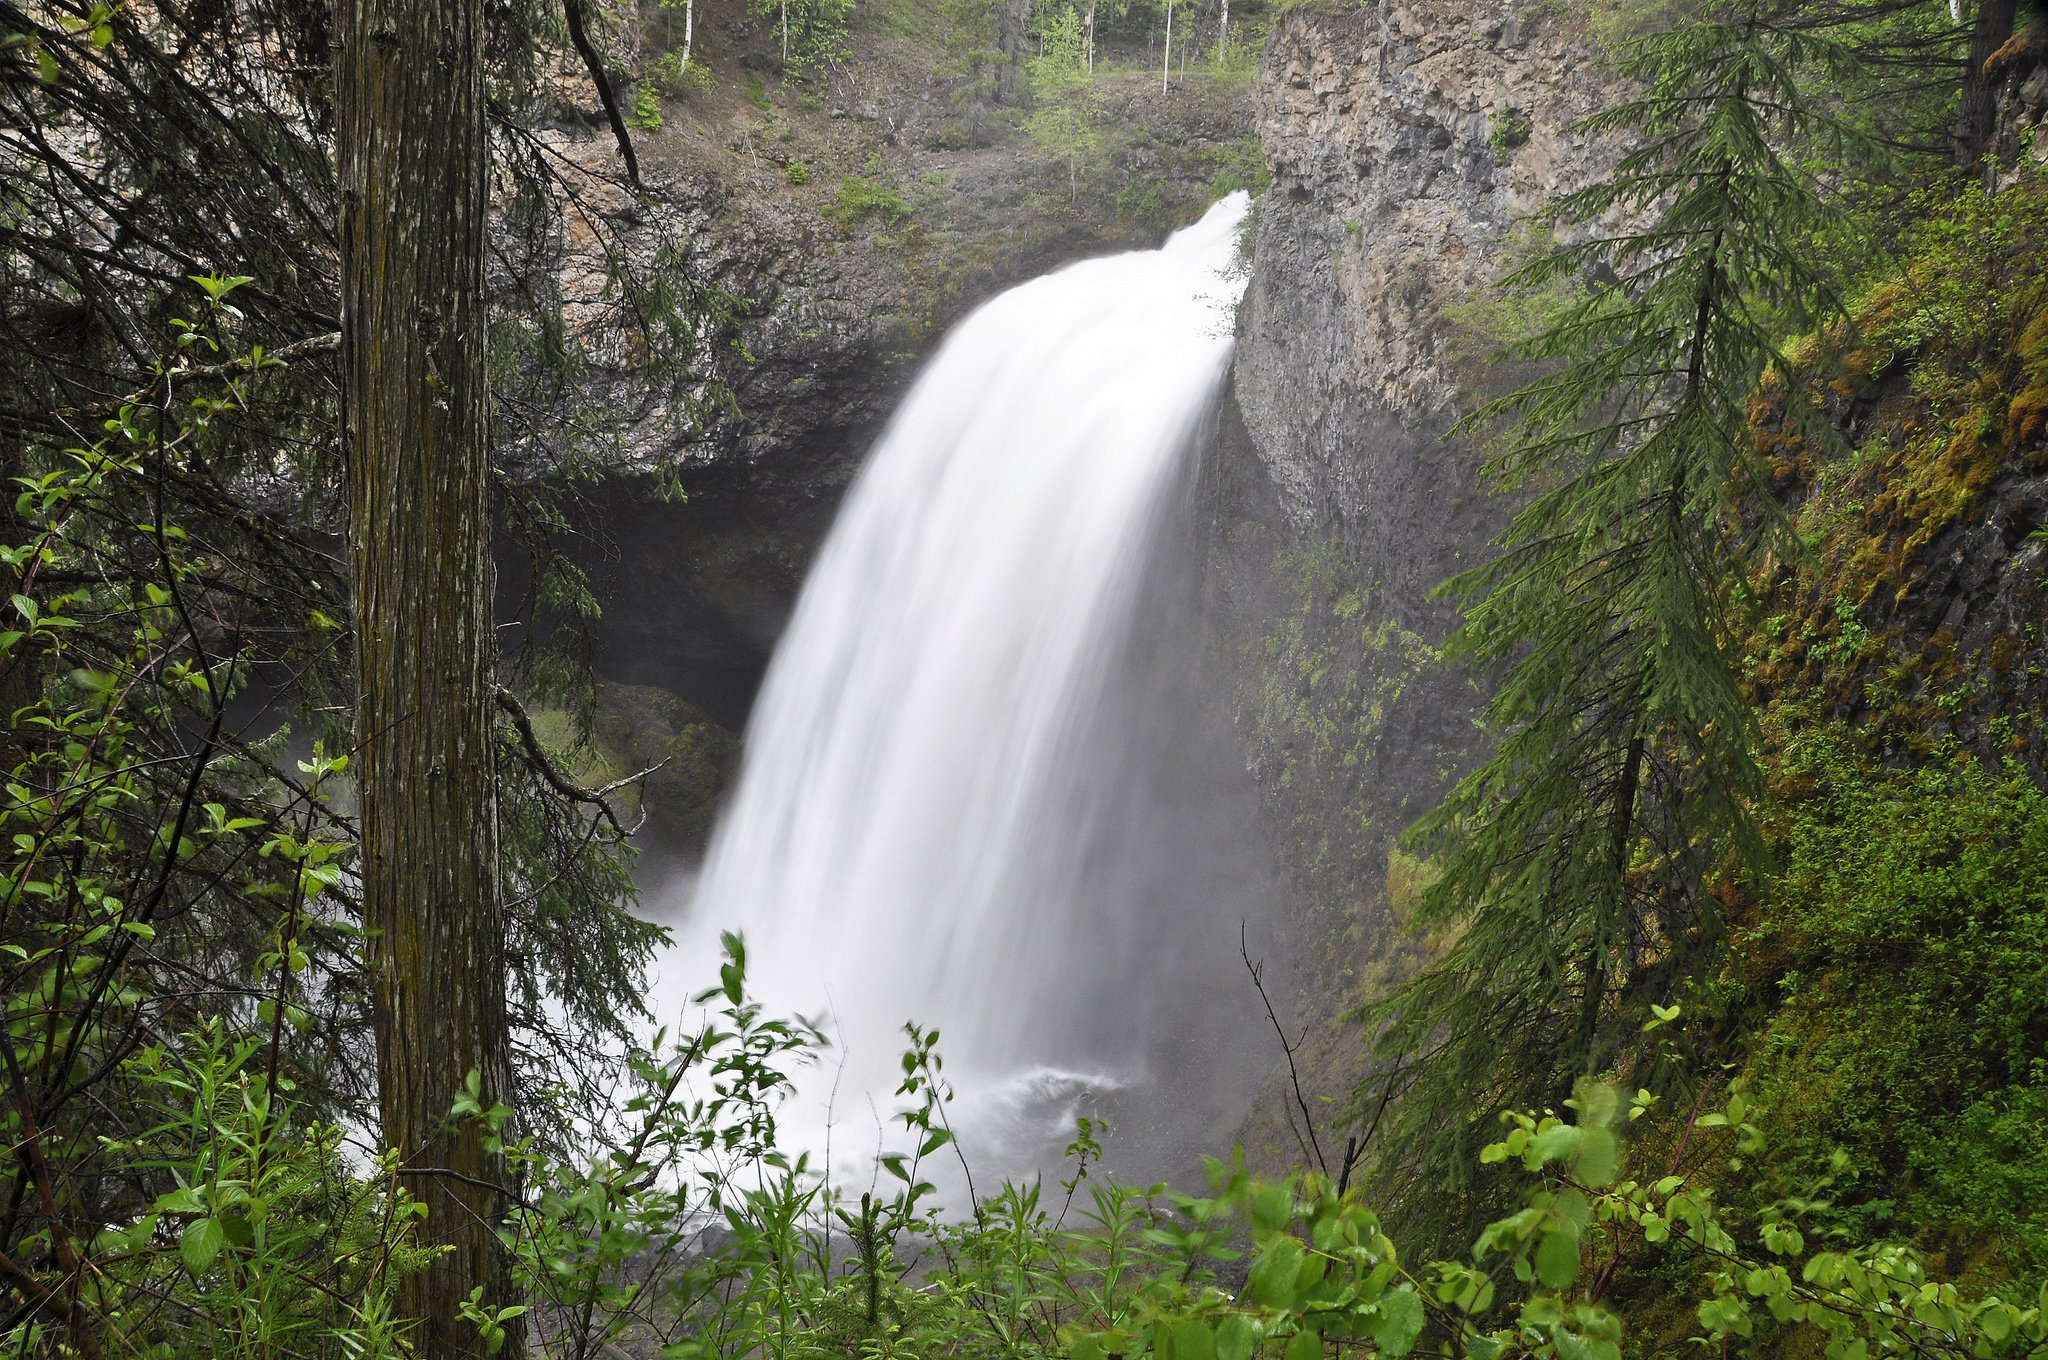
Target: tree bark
{"type": "Point", "coordinates": [1166, 54]}
{"type": "Point", "coordinates": [1977, 118]}
{"type": "Point", "coordinates": [1010, 15]}
{"type": "Point", "coordinates": [413, 160]}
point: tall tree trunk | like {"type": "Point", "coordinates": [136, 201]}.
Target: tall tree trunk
{"type": "Point", "coordinates": [1088, 35]}
{"type": "Point", "coordinates": [689, 30]}
{"type": "Point", "coordinates": [1977, 119]}
{"type": "Point", "coordinates": [1010, 15]}
{"type": "Point", "coordinates": [414, 169]}
{"type": "Point", "coordinates": [1166, 55]}
{"type": "Point", "coordinates": [1223, 33]}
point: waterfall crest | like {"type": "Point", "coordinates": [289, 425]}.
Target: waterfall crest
{"type": "Point", "coordinates": [936, 791]}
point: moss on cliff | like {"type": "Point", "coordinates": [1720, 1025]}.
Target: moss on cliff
{"type": "Point", "coordinates": [1913, 611]}
{"type": "Point", "coordinates": [1884, 993]}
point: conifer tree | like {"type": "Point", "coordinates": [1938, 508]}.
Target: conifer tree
{"type": "Point", "coordinates": [1571, 864]}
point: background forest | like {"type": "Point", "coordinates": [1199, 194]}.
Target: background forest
{"type": "Point", "coordinates": [1711, 1010]}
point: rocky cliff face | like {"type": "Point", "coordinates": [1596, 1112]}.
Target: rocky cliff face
{"type": "Point", "coordinates": [1407, 140]}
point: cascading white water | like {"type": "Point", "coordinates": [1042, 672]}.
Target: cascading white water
{"type": "Point", "coordinates": [919, 827]}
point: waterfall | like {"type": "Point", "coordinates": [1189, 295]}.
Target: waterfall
{"type": "Point", "coordinates": [947, 810]}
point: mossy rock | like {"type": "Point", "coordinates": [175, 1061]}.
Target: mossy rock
{"type": "Point", "coordinates": [642, 726]}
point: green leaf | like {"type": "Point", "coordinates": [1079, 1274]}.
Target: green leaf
{"type": "Point", "coordinates": [1555, 1143]}
{"type": "Point", "coordinates": [1236, 1338]}
{"type": "Point", "coordinates": [1571, 1346]}
{"type": "Point", "coordinates": [1190, 1339]}
{"type": "Point", "coordinates": [1594, 1164]}
{"type": "Point", "coordinates": [1400, 1323]}
{"type": "Point", "coordinates": [1557, 1259]}
{"type": "Point", "coordinates": [1306, 1345]}
{"type": "Point", "coordinates": [202, 1244]}
{"type": "Point", "coordinates": [1271, 1282]}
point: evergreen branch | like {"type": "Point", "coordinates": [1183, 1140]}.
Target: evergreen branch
{"type": "Point", "coordinates": [572, 10]}
{"type": "Point", "coordinates": [568, 788]}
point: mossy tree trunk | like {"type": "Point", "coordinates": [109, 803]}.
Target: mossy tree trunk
{"type": "Point", "coordinates": [1977, 118]}
{"type": "Point", "coordinates": [413, 159]}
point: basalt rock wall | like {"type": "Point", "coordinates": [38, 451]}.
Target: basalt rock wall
{"type": "Point", "coordinates": [1409, 143]}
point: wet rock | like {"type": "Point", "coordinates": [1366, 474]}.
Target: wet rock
{"type": "Point", "coordinates": [1339, 502]}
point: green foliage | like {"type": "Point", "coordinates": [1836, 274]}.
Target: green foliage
{"type": "Point", "coordinates": [265, 1237]}
{"type": "Point", "coordinates": [812, 33]}
{"type": "Point", "coordinates": [1574, 861]}
{"type": "Point", "coordinates": [644, 114]}
{"type": "Point", "coordinates": [1241, 167]}
{"type": "Point", "coordinates": [1946, 357]}
{"type": "Point", "coordinates": [1904, 959]}
{"type": "Point", "coordinates": [1618, 25]}
{"type": "Point", "coordinates": [668, 75]}
{"type": "Point", "coordinates": [172, 947]}
{"type": "Point", "coordinates": [871, 195]}
{"type": "Point", "coordinates": [1062, 41]}
{"type": "Point", "coordinates": [1510, 128]}
{"type": "Point", "coordinates": [179, 959]}
{"type": "Point", "coordinates": [1070, 125]}
{"type": "Point", "coordinates": [688, 1230]}
{"type": "Point", "coordinates": [1482, 331]}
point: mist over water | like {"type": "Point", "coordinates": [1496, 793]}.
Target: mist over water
{"type": "Point", "coordinates": [987, 785]}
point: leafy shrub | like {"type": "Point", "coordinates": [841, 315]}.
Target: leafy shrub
{"type": "Point", "coordinates": [1240, 165]}
{"type": "Point", "coordinates": [870, 195]}
{"type": "Point", "coordinates": [688, 1230]}
{"type": "Point", "coordinates": [1510, 129]}
{"type": "Point", "coordinates": [170, 1110]}
{"type": "Point", "coordinates": [645, 113]}
{"type": "Point", "coordinates": [1908, 940]}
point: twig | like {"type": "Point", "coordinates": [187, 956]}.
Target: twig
{"type": "Point", "coordinates": [55, 421]}
{"type": "Point", "coordinates": [1258, 972]}
{"type": "Point", "coordinates": [560, 782]}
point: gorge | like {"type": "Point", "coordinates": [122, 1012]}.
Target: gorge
{"type": "Point", "coordinates": [1024, 679]}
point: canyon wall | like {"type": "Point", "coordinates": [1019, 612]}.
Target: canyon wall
{"type": "Point", "coordinates": [1409, 142]}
